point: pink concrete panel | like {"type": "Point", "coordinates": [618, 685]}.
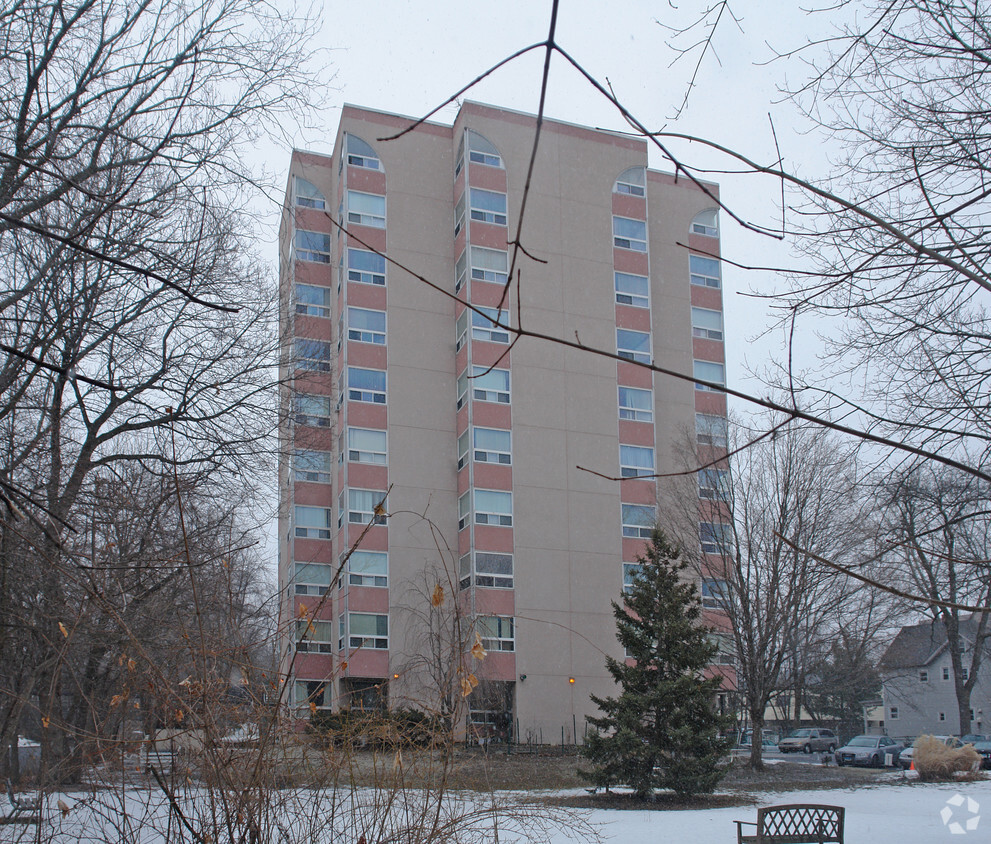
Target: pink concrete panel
{"type": "Point", "coordinates": [490, 354]}
{"type": "Point", "coordinates": [463, 480]}
{"type": "Point", "coordinates": [488, 178]}
{"type": "Point", "coordinates": [462, 414]}
{"type": "Point", "coordinates": [314, 606]}
{"type": "Point", "coordinates": [363, 414]}
{"type": "Point", "coordinates": [637, 319]}
{"type": "Point", "coordinates": [706, 297]}
{"type": "Point", "coordinates": [367, 663]}
{"type": "Point", "coordinates": [461, 358]}
{"type": "Point", "coordinates": [636, 491]}
{"type": "Point", "coordinates": [707, 401]}
{"type": "Point", "coordinates": [367, 355]}
{"type": "Point", "coordinates": [628, 261]}
{"type": "Point", "coordinates": [636, 433]}
{"type": "Point", "coordinates": [493, 476]}
{"type": "Point", "coordinates": [703, 244]}
{"type": "Point", "coordinates": [316, 328]}
{"type": "Point", "coordinates": [314, 220]}
{"type": "Point", "coordinates": [492, 538]}
{"type": "Point", "coordinates": [464, 542]}
{"type": "Point", "coordinates": [368, 599]}
{"type": "Point", "coordinates": [313, 550]}
{"type": "Point", "coordinates": [366, 237]}
{"type": "Point", "coordinates": [392, 121]}
{"type": "Point", "coordinates": [624, 205]}
{"type": "Point", "coordinates": [631, 375]}
{"type": "Point", "coordinates": [321, 383]}
{"type": "Point", "coordinates": [310, 272]}
{"type": "Point", "coordinates": [498, 666]}
{"type": "Point", "coordinates": [488, 295]}
{"type": "Point", "coordinates": [365, 180]}
{"type": "Point", "coordinates": [495, 601]}
{"type": "Point", "coordinates": [633, 548]}
{"type": "Point", "coordinates": [460, 243]}
{"type": "Point", "coordinates": [309, 666]}
{"type": "Point", "coordinates": [492, 414]}
{"type": "Point", "coordinates": [312, 495]}
{"type": "Point", "coordinates": [713, 350]}
{"type": "Point", "coordinates": [318, 439]}
{"type": "Point", "coordinates": [377, 539]}
{"type": "Point", "coordinates": [365, 476]}
{"type": "Point", "coordinates": [371, 296]}
{"type": "Point", "coordinates": [488, 235]}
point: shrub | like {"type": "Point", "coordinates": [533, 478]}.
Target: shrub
{"type": "Point", "coordinates": [935, 761]}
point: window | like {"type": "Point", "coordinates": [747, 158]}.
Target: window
{"type": "Point", "coordinates": [636, 405]}
{"type": "Point", "coordinates": [494, 570]}
{"type": "Point", "coordinates": [490, 384]}
{"type": "Point", "coordinates": [713, 593]}
{"type": "Point", "coordinates": [630, 572]}
{"type": "Point", "coordinates": [362, 504]}
{"type": "Point", "coordinates": [460, 271]}
{"type": "Point", "coordinates": [313, 466]}
{"type": "Point", "coordinates": [366, 385]}
{"type": "Point", "coordinates": [631, 182]}
{"type": "Point", "coordinates": [635, 461]}
{"type": "Point", "coordinates": [459, 215]}
{"type": "Point", "coordinates": [923, 676]}
{"type": "Point", "coordinates": [312, 246]}
{"type": "Point", "coordinates": [942, 715]}
{"type": "Point", "coordinates": [360, 154]}
{"type": "Point", "coordinates": [633, 345]}
{"type": "Point", "coordinates": [366, 209]}
{"type": "Point", "coordinates": [312, 578]}
{"type": "Point", "coordinates": [368, 630]}
{"type": "Point", "coordinates": [726, 653]}
{"type": "Point", "coordinates": [489, 265]}
{"type": "Point", "coordinates": [312, 300]}
{"type": "Point", "coordinates": [367, 446]}
{"type": "Point", "coordinates": [368, 568]}
{"type": "Point", "coordinates": [714, 484]}
{"type": "Point", "coordinates": [312, 410]}
{"type": "Point", "coordinates": [463, 450]}
{"type": "Point", "coordinates": [632, 289]}
{"type": "Point", "coordinates": [480, 151]}
{"type": "Point", "coordinates": [492, 445]}
{"type": "Point", "coordinates": [708, 371]}
{"type": "Point", "coordinates": [496, 632]}
{"type": "Point", "coordinates": [307, 194]}
{"type": "Point", "coordinates": [464, 510]}
{"type": "Point", "coordinates": [461, 330]}
{"type": "Point", "coordinates": [313, 693]}
{"type": "Point", "coordinates": [638, 521]}
{"type": "Point", "coordinates": [313, 522]}
{"type": "Point", "coordinates": [462, 388]}
{"type": "Point", "coordinates": [316, 637]}
{"type": "Point", "coordinates": [946, 673]}
{"type": "Point", "coordinates": [493, 507]}
{"type": "Point", "coordinates": [483, 325]}
{"type": "Point", "coordinates": [715, 537]}
{"type": "Point", "coordinates": [964, 674]}
{"type": "Point", "coordinates": [313, 355]}
{"type": "Point", "coordinates": [707, 324]}
{"type": "Point", "coordinates": [366, 267]}
{"type": "Point", "coordinates": [704, 271]}
{"type": "Point", "coordinates": [366, 326]}
{"type": "Point", "coordinates": [711, 430]}
{"type": "Point", "coordinates": [487, 206]}
{"type": "Point", "coordinates": [629, 234]}
{"type": "Point", "coordinates": [707, 223]}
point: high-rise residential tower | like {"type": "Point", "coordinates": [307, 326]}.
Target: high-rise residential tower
{"type": "Point", "coordinates": [461, 457]}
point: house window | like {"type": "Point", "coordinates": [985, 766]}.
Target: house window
{"type": "Point", "coordinates": [366, 385]}
{"type": "Point", "coordinates": [714, 484]}
{"type": "Point", "coordinates": [312, 300]}
{"type": "Point", "coordinates": [483, 325]}
{"type": "Point", "coordinates": [923, 676]}
{"type": "Point", "coordinates": [636, 405]}
{"type": "Point", "coordinates": [497, 632]}
{"type": "Point", "coordinates": [367, 446]}
{"type": "Point", "coordinates": [638, 520]}
{"type": "Point", "coordinates": [631, 182]}
{"type": "Point", "coordinates": [365, 326]}
{"type": "Point", "coordinates": [313, 522]}
{"type": "Point", "coordinates": [942, 716]}
{"type": "Point", "coordinates": [629, 234]}
{"type": "Point", "coordinates": [362, 504]}
{"type": "Point", "coordinates": [360, 154]}
{"type": "Point", "coordinates": [964, 674]}
{"type": "Point", "coordinates": [312, 578]}
{"type": "Point", "coordinates": [704, 271]}
{"type": "Point", "coordinates": [490, 384]}
{"type": "Point", "coordinates": [633, 345]}
{"type": "Point", "coordinates": [493, 507]}
{"type": "Point", "coordinates": [367, 630]}
{"type": "Point", "coordinates": [713, 593]}
{"type": "Point", "coordinates": [893, 713]}
{"type": "Point", "coordinates": [711, 430]}
{"type": "Point", "coordinates": [368, 568]}
{"type": "Point", "coordinates": [708, 371]}
{"type": "Point", "coordinates": [714, 536]}
{"type": "Point", "coordinates": [315, 637]}
{"type": "Point", "coordinates": [492, 445]}
{"type": "Point", "coordinates": [313, 355]}
{"type": "Point", "coordinates": [630, 572]}
{"type": "Point", "coordinates": [493, 570]}
{"type": "Point", "coordinates": [946, 673]}
{"type": "Point", "coordinates": [487, 206]}
{"type": "Point", "coordinates": [707, 324]}
{"type": "Point", "coordinates": [312, 246]}
{"type": "Point", "coordinates": [632, 290]}
{"type": "Point", "coordinates": [707, 223]}
{"type": "Point", "coordinates": [635, 461]}
{"type": "Point", "coordinates": [312, 693]}
{"type": "Point", "coordinates": [312, 410]}
{"type": "Point", "coordinates": [480, 151]}
{"type": "Point", "coordinates": [366, 209]}
{"type": "Point", "coordinates": [307, 194]}
{"type": "Point", "coordinates": [366, 267]}
{"type": "Point", "coordinates": [313, 466]}
{"type": "Point", "coordinates": [489, 265]}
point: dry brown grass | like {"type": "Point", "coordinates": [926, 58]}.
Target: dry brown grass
{"type": "Point", "coordinates": [936, 762]}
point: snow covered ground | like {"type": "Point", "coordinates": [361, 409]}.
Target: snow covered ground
{"type": "Point", "coordinates": [908, 813]}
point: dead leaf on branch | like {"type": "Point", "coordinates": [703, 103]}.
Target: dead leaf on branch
{"type": "Point", "coordinates": [65, 633]}
{"type": "Point", "coordinates": [478, 650]}
{"type": "Point", "coordinates": [438, 596]}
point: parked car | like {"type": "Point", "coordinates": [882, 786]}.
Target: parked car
{"type": "Point", "coordinates": [808, 740]}
{"type": "Point", "coordinates": [982, 744]}
{"type": "Point", "coordinates": [907, 756]}
{"type": "Point", "coordinates": [770, 738]}
{"type": "Point", "coordinates": [869, 750]}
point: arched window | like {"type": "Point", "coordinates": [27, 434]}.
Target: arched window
{"type": "Point", "coordinates": [361, 154]}
{"type": "Point", "coordinates": [706, 222]}
{"type": "Point", "coordinates": [632, 182]}
{"type": "Point", "coordinates": [480, 151]}
{"type": "Point", "coordinates": [307, 194]}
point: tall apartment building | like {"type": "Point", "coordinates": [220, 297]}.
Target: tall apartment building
{"type": "Point", "coordinates": [479, 447]}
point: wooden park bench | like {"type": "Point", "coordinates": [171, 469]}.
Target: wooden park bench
{"type": "Point", "coordinates": [797, 823]}
{"type": "Point", "coordinates": [23, 809]}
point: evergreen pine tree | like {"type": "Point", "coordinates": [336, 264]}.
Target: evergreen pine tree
{"type": "Point", "coordinates": [662, 732]}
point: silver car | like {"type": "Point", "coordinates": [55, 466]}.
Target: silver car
{"type": "Point", "coordinates": [808, 740]}
{"type": "Point", "coordinates": [875, 751]}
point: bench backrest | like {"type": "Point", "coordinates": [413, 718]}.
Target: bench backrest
{"type": "Point", "coordinates": [801, 822]}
